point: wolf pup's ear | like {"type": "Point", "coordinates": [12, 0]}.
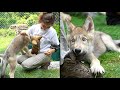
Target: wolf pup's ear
{"type": "Point", "coordinates": [65, 17]}
{"type": "Point", "coordinates": [89, 25]}
{"type": "Point", "coordinates": [39, 37]}
{"type": "Point", "coordinates": [71, 26]}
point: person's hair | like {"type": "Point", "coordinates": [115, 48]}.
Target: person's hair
{"type": "Point", "coordinates": [47, 17]}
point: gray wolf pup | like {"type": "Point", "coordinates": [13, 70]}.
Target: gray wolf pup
{"type": "Point", "coordinates": [88, 44]}
{"type": "Point", "coordinates": [19, 43]}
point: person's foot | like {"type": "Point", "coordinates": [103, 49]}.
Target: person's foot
{"type": "Point", "coordinates": [45, 65]}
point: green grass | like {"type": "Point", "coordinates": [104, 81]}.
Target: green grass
{"type": "Point", "coordinates": [110, 60]}
{"type": "Point", "coordinates": [5, 41]}
{"type": "Point", "coordinates": [36, 73]}
{"type": "Point", "coordinates": [5, 38]}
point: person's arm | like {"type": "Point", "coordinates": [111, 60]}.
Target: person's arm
{"type": "Point", "coordinates": [54, 45]}
{"type": "Point", "coordinates": [55, 42]}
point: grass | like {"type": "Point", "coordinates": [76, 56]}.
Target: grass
{"type": "Point", "coordinates": [5, 39]}
{"type": "Point", "coordinates": [110, 60]}
{"type": "Point", "coordinates": [37, 73]}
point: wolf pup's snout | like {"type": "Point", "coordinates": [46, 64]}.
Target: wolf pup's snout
{"type": "Point", "coordinates": [77, 51]}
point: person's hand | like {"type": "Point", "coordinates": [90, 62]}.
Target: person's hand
{"type": "Point", "coordinates": [49, 52]}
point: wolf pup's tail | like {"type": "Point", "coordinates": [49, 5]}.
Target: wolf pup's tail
{"type": "Point", "coordinates": [117, 42]}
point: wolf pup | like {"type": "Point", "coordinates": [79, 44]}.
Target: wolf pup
{"type": "Point", "coordinates": [18, 29]}
{"type": "Point", "coordinates": [35, 44]}
{"type": "Point", "coordinates": [19, 43]}
{"type": "Point", "coordinates": [88, 45]}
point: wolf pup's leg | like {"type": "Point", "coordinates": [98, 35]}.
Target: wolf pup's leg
{"type": "Point", "coordinates": [12, 62]}
{"type": "Point", "coordinates": [4, 65]}
{"type": "Point", "coordinates": [110, 44]}
{"type": "Point", "coordinates": [27, 52]}
{"type": "Point", "coordinates": [117, 42]}
{"type": "Point", "coordinates": [95, 65]}
{"type": "Point", "coordinates": [23, 52]}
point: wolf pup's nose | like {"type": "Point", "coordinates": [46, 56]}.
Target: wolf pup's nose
{"type": "Point", "coordinates": [77, 51]}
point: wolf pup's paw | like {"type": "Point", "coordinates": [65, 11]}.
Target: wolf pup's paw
{"type": "Point", "coordinates": [97, 68]}
{"type": "Point", "coordinates": [11, 75]}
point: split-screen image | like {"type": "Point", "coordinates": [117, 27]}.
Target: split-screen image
{"type": "Point", "coordinates": [59, 44]}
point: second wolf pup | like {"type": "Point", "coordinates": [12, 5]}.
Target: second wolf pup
{"type": "Point", "coordinates": [90, 43]}
{"type": "Point", "coordinates": [35, 44]}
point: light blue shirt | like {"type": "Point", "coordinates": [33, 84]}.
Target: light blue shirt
{"type": "Point", "coordinates": [49, 36]}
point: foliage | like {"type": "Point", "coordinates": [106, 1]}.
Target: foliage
{"type": "Point", "coordinates": [57, 28]}
{"type": "Point", "coordinates": [33, 19]}
{"type": "Point", "coordinates": [3, 22]}
{"type": "Point", "coordinates": [9, 18]}
{"type": "Point", "coordinates": [7, 32]}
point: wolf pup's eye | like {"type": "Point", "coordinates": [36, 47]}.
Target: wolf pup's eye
{"type": "Point", "coordinates": [84, 39]}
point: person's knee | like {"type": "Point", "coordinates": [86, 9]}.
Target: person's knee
{"type": "Point", "coordinates": [19, 61]}
{"type": "Point", "coordinates": [21, 58]}
{"type": "Point", "coordinates": [26, 66]}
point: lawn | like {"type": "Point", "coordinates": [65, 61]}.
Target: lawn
{"type": "Point", "coordinates": [5, 40]}
{"type": "Point", "coordinates": [36, 73]}
{"type": "Point", "coordinates": [110, 60]}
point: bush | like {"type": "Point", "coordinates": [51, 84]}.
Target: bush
{"type": "Point", "coordinates": [9, 18]}
{"type": "Point", "coordinates": [33, 19]}
{"type": "Point", "coordinates": [3, 22]}
{"type": "Point", "coordinates": [7, 32]}
{"type": "Point", "coordinates": [10, 21]}
{"type": "Point", "coordinates": [57, 28]}
{"type": "Point", "coordinates": [21, 21]}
